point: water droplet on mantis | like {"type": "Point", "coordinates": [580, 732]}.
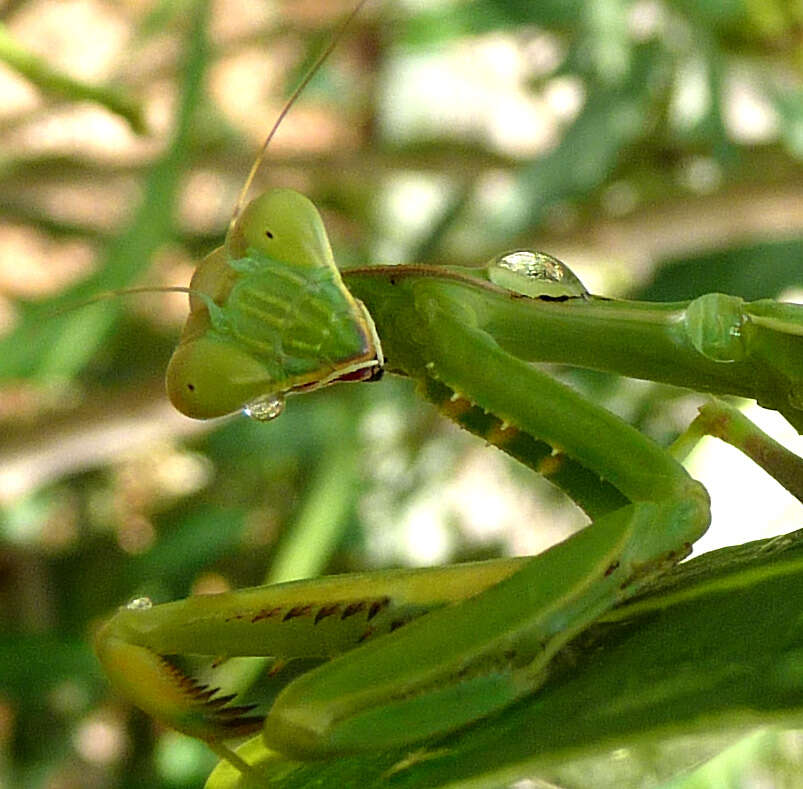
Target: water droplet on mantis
{"type": "Point", "coordinates": [713, 324]}
{"type": "Point", "coordinates": [140, 604]}
{"type": "Point", "coordinates": [535, 274]}
{"type": "Point", "coordinates": [265, 407]}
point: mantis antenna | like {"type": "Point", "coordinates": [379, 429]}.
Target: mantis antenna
{"type": "Point", "coordinates": [313, 70]}
{"type": "Point", "coordinates": [238, 207]}
{"type": "Point", "coordinates": [117, 292]}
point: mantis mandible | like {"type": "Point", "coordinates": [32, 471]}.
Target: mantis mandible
{"type": "Point", "coordinates": [410, 654]}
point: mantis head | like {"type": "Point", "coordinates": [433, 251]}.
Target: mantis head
{"type": "Point", "coordinates": [269, 315]}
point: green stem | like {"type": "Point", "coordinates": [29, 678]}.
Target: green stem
{"type": "Point", "coordinates": [686, 442]}
{"type": "Point", "coordinates": [721, 420]}
{"type": "Point", "coordinates": [48, 80]}
{"type": "Point", "coordinates": [319, 527]}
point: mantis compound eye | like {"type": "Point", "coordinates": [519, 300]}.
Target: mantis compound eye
{"type": "Point", "coordinates": [209, 377]}
{"type": "Point", "coordinates": [284, 226]}
{"type": "Point", "coordinates": [535, 274]}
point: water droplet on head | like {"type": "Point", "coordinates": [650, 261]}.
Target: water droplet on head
{"type": "Point", "coordinates": [140, 604]}
{"type": "Point", "coordinates": [535, 274]}
{"type": "Point", "coordinates": [265, 407]}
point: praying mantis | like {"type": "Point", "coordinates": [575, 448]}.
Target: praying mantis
{"type": "Point", "coordinates": [408, 655]}
{"type": "Point", "coordinates": [412, 654]}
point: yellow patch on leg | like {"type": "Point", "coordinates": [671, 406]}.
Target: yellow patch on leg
{"type": "Point", "coordinates": [455, 407]}
{"type": "Point", "coordinates": [551, 465]}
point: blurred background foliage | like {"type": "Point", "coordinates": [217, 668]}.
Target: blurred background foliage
{"type": "Point", "coordinates": [657, 147]}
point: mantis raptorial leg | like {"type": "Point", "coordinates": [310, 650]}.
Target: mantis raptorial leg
{"type": "Point", "coordinates": [409, 655]}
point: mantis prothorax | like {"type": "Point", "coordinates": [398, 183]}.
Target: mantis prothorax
{"type": "Point", "coordinates": [406, 655]}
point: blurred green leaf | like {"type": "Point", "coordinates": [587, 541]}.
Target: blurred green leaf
{"type": "Point", "coordinates": [32, 665]}
{"type": "Point", "coordinates": [50, 80]}
{"type": "Point", "coordinates": [762, 270]}
{"type": "Point", "coordinates": [50, 345]}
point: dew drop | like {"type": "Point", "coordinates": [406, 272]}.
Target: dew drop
{"type": "Point", "coordinates": [535, 274]}
{"type": "Point", "coordinates": [265, 407]}
{"type": "Point", "coordinates": [140, 604]}
{"type": "Point", "coordinates": [713, 324]}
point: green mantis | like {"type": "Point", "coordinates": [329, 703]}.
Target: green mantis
{"type": "Point", "coordinates": [409, 655]}
{"type": "Point", "coordinates": [400, 657]}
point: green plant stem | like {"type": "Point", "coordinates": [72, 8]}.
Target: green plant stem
{"type": "Point", "coordinates": [48, 80]}
{"type": "Point", "coordinates": [721, 420]}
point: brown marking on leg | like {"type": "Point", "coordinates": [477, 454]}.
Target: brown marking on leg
{"type": "Point", "coordinates": [353, 608]}
{"type": "Point", "coordinates": [299, 610]}
{"type": "Point", "coordinates": [455, 407]}
{"type": "Point", "coordinates": [265, 613]}
{"type": "Point", "coordinates": [326, 610]}
{"type": "Point", "coordinates": [500, 434]}
{"type": "Point", "coordinates": [377, 606]}
{"type": "Point", "coordinates": [366, 635]}
{"type": "Point", "coordinates": [550, 465]}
